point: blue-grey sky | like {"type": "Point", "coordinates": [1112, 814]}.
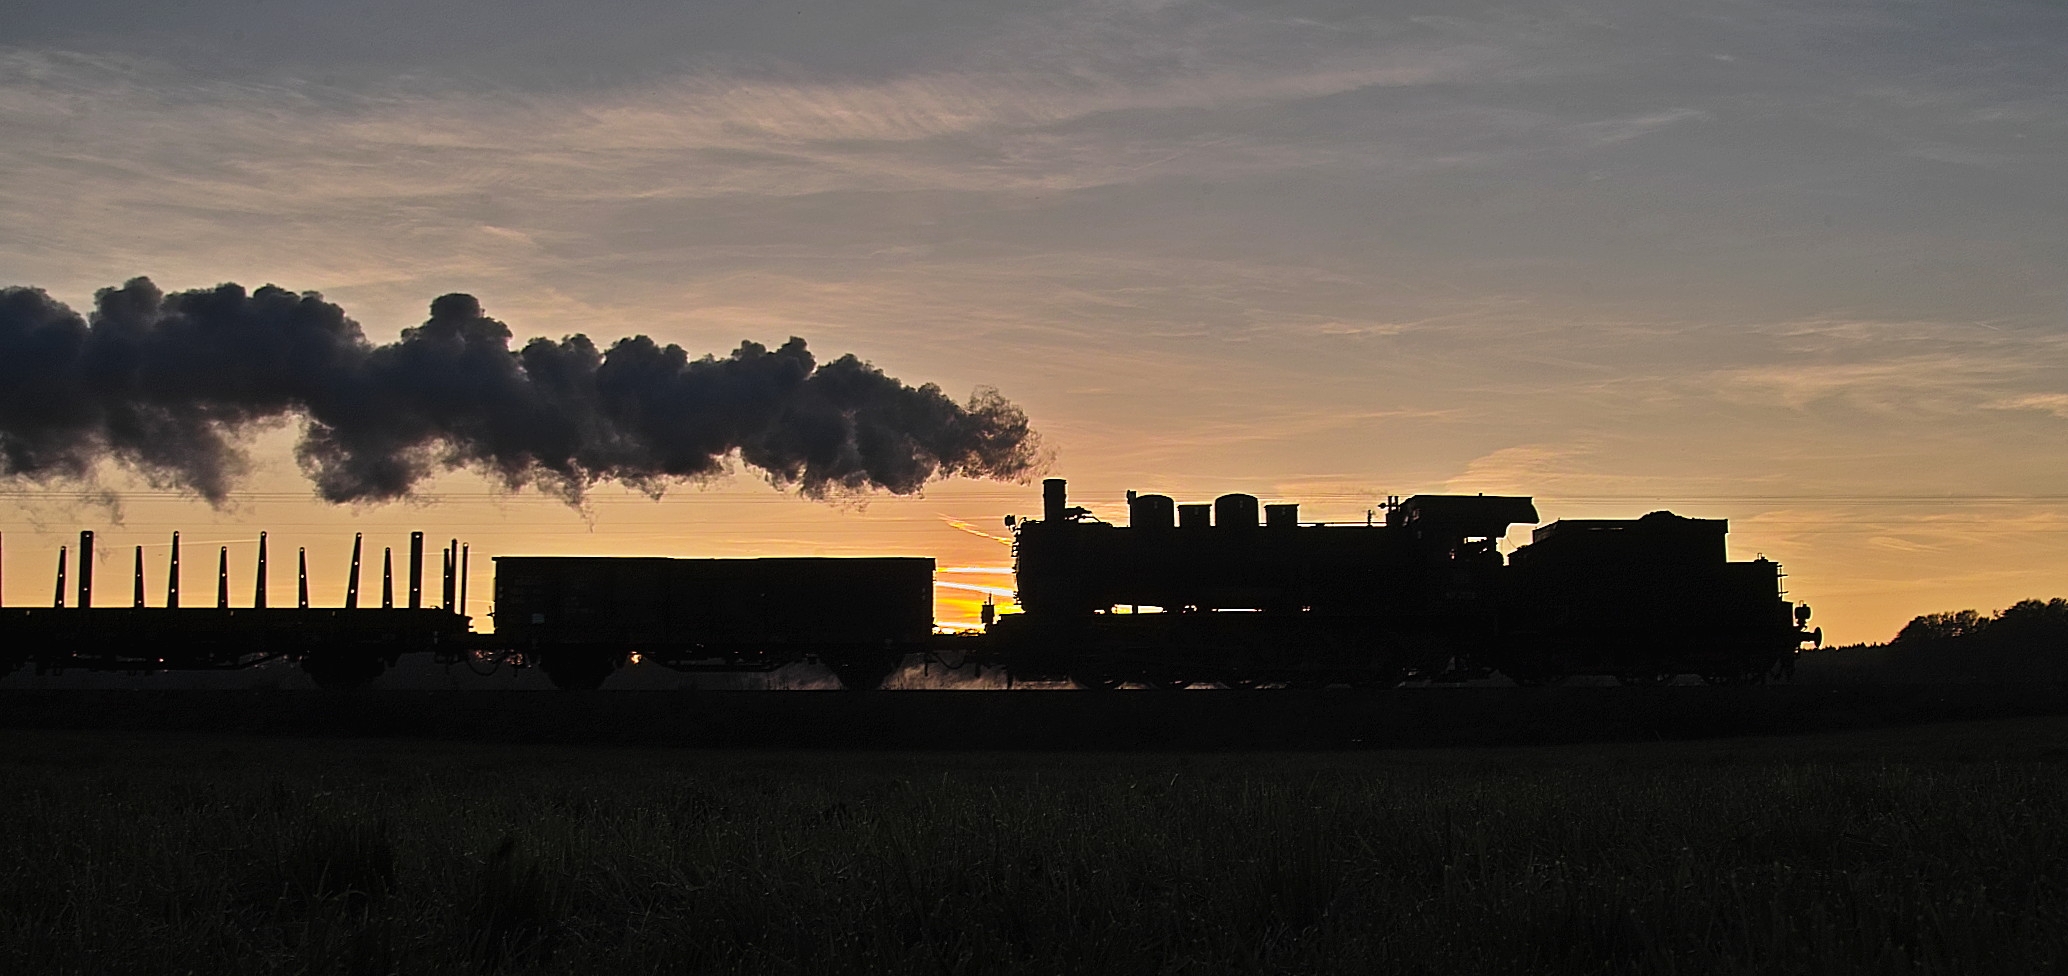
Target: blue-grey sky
{"type": "Point", "coordinates": [1801, 265]}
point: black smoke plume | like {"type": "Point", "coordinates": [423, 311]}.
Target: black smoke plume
{"type": "Point", "coordinates": [165, 384]}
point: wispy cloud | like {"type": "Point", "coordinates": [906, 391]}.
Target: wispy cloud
{"type": "Point", "coordinates": [2053, 403]}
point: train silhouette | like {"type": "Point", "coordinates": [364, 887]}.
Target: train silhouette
{"type": "Point", "coordinates": [1233, 594]}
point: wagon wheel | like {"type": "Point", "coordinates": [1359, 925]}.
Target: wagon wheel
{"type": "Point", "coordinates": [342, 668]}
{"type": "Point", "coordinates": [864, 675]}
{"type": "Point", "coordinates": [1377, 679]}
{"type": "Point", "coordinates": [1733, 679]}
{"type": "Point", "coordinates": [1643, 679]}
{"type": "Point", "coordinates": [578, 669]}
{"type": "Point", "coordinates": [1531, 678]}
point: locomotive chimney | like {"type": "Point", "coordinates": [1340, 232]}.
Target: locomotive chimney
{"type": "Point", "coordinates": [388, 577]}
{"type": "Point", "coordinates": [59, 600]}
{"type": "Point", "coordinates": [86, 569]}
{"type": "Point", "coordinates": [258, 592]}
{"type": "Point", "coordinates": [222, 579]}
{"type": "Point", "coordinates": [172, 575]}
{"type": "Point", "coordinates": [1055, 498]}
{"type": "Point", "coordinates": [416, 570]}
{"type": "Point", "coordinates": [139, 577]}
{"type": "Point", "coordinates": [301, 599]}
{"type": "Point", "coordinates": [352, 581]}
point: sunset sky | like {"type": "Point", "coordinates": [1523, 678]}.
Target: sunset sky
{"type": "Point", "coordinates": [1801, 265]}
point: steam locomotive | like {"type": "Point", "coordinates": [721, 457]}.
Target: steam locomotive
{"type": "Point", "coordinates": [1187, 594]}
{"type": "Point", "coordinates": [1232, 594]}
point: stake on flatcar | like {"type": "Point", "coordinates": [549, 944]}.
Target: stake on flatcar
{"type": "Point", "coordinates": [86, 569]}
{"type": "Point", "coordinates": [352, 581]}
{"type": "Point", "coordinates": [258, 591]}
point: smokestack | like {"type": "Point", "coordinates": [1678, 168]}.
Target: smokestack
{"type": "Point", "coordinates": [301, 598]}
{"type": "Point", "coordinates": [352, 581]}
{"type": "Point", "coordinates": [3, 571]}
{"type": "Point", "coordinates": [258, 593]}
{"type": "Point", "coordinates": [463, 579]}
{"type": "Point", "coordinates": [416, 570]}
{"type": "Point", "coordinates": [388, 578]}
{"type": "Point", "coordinates": [172, 575]}
{"type": "Point", "coordinates": [1055, 498]}
{"type": "Point", "coordinates": [139, 577]}
{"type": "Point", "coordinates": [60, 599]}
{"type": "Point", "coordinates": [86, 568]}
{"type": "Point", "coordinates": [222, 580]}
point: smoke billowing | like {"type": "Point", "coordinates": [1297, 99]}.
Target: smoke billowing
{"type": "Point", "coordinates": [165, 384]}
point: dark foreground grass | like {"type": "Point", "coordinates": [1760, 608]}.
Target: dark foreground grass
{"type": "Point", "coordinates": [1934, 850]}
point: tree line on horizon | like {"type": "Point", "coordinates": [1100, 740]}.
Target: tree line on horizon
{"type": "Point", "coordinates": [2023, 622]}
{"type": "Point", "coordinates": [2026, 641]}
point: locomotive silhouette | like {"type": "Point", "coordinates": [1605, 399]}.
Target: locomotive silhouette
{"type": "Point", "coordinates": [1209, 593]}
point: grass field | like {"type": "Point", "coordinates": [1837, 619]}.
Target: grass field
{"type": "Point", "coordinates": [1932, 849]}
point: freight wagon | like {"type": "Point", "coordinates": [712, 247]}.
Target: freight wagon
{"type": "Point", "coordinates": [580, 618]}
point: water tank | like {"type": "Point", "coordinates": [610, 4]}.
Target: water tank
{"type": "Point", "coordinates": [1151, 511]}
{"type": "Point", "coordinates": [1235, 512]}
{"type": "Point", "coordinates": [1195, 516]}
{"type": "Point", "coordinates": [1285, 516]}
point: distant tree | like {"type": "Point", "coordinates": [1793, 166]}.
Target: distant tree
{"type": "Point", "coordinates": [2031, 620]}
{"type": "Point", "coordinates": [1942, 626]}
